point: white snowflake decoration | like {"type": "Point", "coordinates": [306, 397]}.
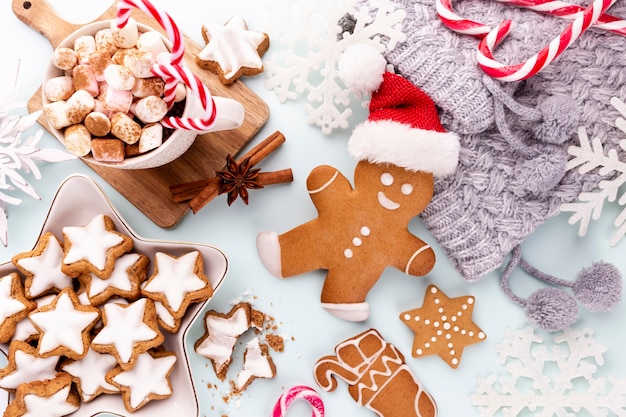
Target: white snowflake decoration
{"type": "Point", "coordinates": [588, 156]}
{"type": "Point", "coordinates": [18, 156]}
{"type": "Point", "coordinates": [575, 356]}
{"type": "Point", "coordinates": [313, 45]}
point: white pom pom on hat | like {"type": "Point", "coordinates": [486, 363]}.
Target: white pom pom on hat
{"type": "Point", "coordinates": [403, 127]}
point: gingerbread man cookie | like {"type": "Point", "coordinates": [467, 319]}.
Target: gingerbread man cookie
{"type": "Point", "coordinates": [401, 148]}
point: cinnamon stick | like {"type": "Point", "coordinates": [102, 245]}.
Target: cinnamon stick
{"type": "Point", "coordinates": [276, 177]}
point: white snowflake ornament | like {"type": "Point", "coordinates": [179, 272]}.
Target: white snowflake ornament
{"type": "Point", "coordinates": [313, 44]}
{"type": "Point", "coordinates": [588, 156]}
{"type": "Point", "coordinates": [550, 379]}
{"type": "Point", "coordinates": [18, 156]}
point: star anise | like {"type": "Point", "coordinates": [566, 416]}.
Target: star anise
{"type": "Point", "coordinates": [236, 179]}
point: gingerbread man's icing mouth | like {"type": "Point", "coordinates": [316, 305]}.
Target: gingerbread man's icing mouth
{"type": "Point", "coordinates": [386, 202]}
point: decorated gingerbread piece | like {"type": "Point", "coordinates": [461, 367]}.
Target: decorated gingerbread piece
{"type": "Point", "coordinates": [377, 376]}
{"type": "Point", "coordinates": [360, 231]}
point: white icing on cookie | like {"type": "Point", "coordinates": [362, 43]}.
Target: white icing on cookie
{"type": "Point", "coordinates": [8, 304]}
{"type": "Point", "coordinates": [222, 336]}
{"type": "Point", "coordinates": [29, 368]}
{"type": "Point", "coordinates": [148, 377]}
{"type": "Point", "coordinates": [46, 269]}
{"type": "Point", "coordinates": [91, 371]}
{"type": "Point", "coordinates": [255, 365]}
{"type": "Point", "coordinates": [119, 278]}
{"type": "Point", "coordinates": [175, 278]}
{"type": "Point", "coordinates": [124, 327]}
{"type": "Point", "coordinates": [55, 405]}
{"type": "Point", "coordinates": [90, 242]}
{"type": "Point", "coordinates": [63, 325]}
{"type": "Point", "coordinates": [232, 46]}
{"type": "Point", "coordinates": [25, 329]}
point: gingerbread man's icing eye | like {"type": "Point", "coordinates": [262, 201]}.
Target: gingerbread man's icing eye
{"type": "Point", "coordinates": [386, 179]}
{"type": "Point", "coordinates": [406, 189]}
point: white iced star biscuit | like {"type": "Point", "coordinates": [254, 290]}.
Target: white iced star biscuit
{"type": "Point", "coordinates": [93, 247]}
{"type": "Point", "coordinates": [89, 374]}
{"type": "Point", "coordinates": [25, 365]}
{"type": "Point", "coordinates": [232, 50]}
{"type": "Point", "coordinates": [13, 305]}
{"type": "Point", "coordinates": [50, 398]}
{"type": "Point", "coordinates": [178, 281]}
{"type": "Point", "coordinates": [42, 267]}
{"type": "Point", "coordinates": [129, 330]}
{"type": "Point", "coordinates": [147, 380]}
{"type": "Point", "coordinates": [64, 326]}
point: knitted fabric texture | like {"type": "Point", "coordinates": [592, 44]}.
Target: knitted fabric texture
{"type": "Point", "coordinates": [491, 204]}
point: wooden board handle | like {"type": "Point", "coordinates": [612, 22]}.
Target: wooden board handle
{"type": "Point", "coordinates": [39, 15]}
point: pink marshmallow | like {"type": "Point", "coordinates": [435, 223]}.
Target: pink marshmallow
{"type": "Point", "coordinates": [117, 100]}
{"type": "Point", "coordinates": [85, 79]}
{"type": "Point", "coordinates": [99, 61]}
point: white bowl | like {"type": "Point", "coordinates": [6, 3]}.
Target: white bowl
{"type": "Point", "coordinates": [77, 201]}
{"type": "Point", "coordinates": [172, 148]}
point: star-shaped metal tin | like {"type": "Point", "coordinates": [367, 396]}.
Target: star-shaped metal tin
{"type": "Point", "coordinates": [77, 201]}
{"type": "Point", "coordinates": [443, 326]}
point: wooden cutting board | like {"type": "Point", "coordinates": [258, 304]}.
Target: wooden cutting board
{"type": "Point", "coordinates": [148, 189]}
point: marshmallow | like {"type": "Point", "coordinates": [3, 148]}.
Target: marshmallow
{"type": "Point", "coordinates": [151, 137]}
{"type": "Point", "coordinates": [125, 128]}
{"type": "Point", "coordinates": [152, 42]}
{"type": "Point", "coordinates": [127, 36]}
{"type": "Point", "coordinates": [139, 63]}
{"type": "Point", "coordinates": [77, 140]}
{"type": "Point", "coordinates": [85, 79]}
{"type": "Point", "coordinates": [150, 109]}
{"type": "Point", "coordinates": [118, 57]}
{"type": "Point", "coordinates": [59, 88]}
{"type": "Point", "coordinates": [98, 124]}
{"type": "Point", "coordinates": [84, 46]}
{"type": "Point", "coordinates": [181, 93]}
{"type": "Point", "coordinates": [119, 77]}
{"type": "Point", "coordinates": [117, 100]}
{"type": "Point", "coordinates": [99, 61]}
{"type": "Point", "coordinates": [79, 105]}
{"type": "Point", "coordinates": [107, 150]}
{"type": "Point", "coordinates": [145, 87]}
{"type": "Point", "coordinates": [56, 114]}
{"type": "Point", "coordinates": [64, 58]}
{"type": "Point", "coordinates": [105, 41]}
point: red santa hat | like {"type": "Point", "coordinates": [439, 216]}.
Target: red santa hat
{"type": "Point", "coordinates": [403, 127]}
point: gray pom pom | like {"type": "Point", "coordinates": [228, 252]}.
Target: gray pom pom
{"type": "Point", "coordinates": [542, 173]}
{"type": "Point", "coordinates": [560, 119]}
{"type": "Point", "coordinates": [551, 309]}
{"type": "Point", "coordinates": [599, 287]}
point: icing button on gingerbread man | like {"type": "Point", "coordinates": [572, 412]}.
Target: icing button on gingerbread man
{"type": "Point", "coordinates": [360, 231]}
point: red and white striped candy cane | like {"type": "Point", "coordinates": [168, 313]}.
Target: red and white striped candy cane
{"type": "Point", "coordinates": [182, 73]}
{"type": "Point", "coordinates": [545, 56]}
{"type": "Point", "coordinates": [299, 392]}
{"type": "Point", "coordinates": [174, 71]}
{"type": "Point", "coordinates": [458, 23]}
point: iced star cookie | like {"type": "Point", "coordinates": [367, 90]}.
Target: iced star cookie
{"type": "Point", "coordinates": [89, 374]}
{"type": "Point", "coordinates": [443, 326]}
{"type": "Point", "coordinates": [25, 331]}
{"type": "Point", "coordinates": [128, 331]}
{"type": "Point", "coordinates": [50, 398]}
{"type": "Point", "coordinates": [41, 267]}
{"type": "Point", "coordinates": [129, 271]}
{"type": "Point", "coordinates": [146, 381]}
{"type": "Point", "coordinates": [25, 365]}
{"type": "Point", "coordinates": [177, 282]}
{"type": "Point", "coordinates": [64, 326]}
{"type": "Point", "coordinates": [14, 306]}
{"type": "Point", "coordinates": [221, 332]}
{"type": "Point", "coordinates": [232, 50]}
{"type": "Point", "coordinates": [257, 363]}
{"type": "Point", "coordinates": [94, 247]}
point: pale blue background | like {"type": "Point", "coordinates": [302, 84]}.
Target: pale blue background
{"type": "Point", "coordinates": [309, 331]}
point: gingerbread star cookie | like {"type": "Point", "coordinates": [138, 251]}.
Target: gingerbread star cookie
{"type": "Point", "coordinates": [232, 50]}
{"type": "Point", "coordinates": [443, 326]}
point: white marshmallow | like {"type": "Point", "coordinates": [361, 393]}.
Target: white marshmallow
{"type": "Point", "coordinates": [150, 109]}
{"type": "Point", "coordinates": [56, 114]}
{"type": "Point", "coordinates": [139, 63]}
{"type": "Point", "coordinates": [85, 79]}
{"type": "Point", "coordinates": [59, 88]}
{"type": "Point", "coordinates": [119, 77]}
{"type": "Point", "coordinates": [79, 105]}
{"type": "Point", "coordinates": [105, 41]}
{"type": "Point", "coordinates": [151, 137]}
{"type": "Point", "coordinates": [64, 58]}
{"type": "Point", "coordinates": [99, 61]}
{"type": "Point", "coordinates": [145, 87]}
{"type": "Point", "coordinates": [98, 124]}
{"type": "Point", "coordinates": [152, 42]}
{"type": "Point", "coordinates": [77, 140]}
{"type": "Point", "coordinates": [181, 92]}
{"type": "Point", "coordinates": [84, 46]}
{"type": "Point", "coordinates": [127, 36]}
{"type": "Point", "coordinates": [125, 128]}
